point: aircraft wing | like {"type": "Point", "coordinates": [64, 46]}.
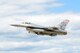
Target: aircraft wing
{"type": "Point", "coordinates": [33, 26]}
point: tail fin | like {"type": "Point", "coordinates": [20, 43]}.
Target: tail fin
{"type": "Point", "coordinates": [63, 24]}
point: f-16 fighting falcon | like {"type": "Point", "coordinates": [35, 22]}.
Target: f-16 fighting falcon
{"type": "Point", "coordinates": [39, 30]}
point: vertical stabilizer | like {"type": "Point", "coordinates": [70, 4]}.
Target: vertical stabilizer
{"type": "Point", "coordinates": [63, 24]}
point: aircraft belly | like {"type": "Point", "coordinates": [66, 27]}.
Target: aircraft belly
{"type": "Point", "coordinates": [42, 32]}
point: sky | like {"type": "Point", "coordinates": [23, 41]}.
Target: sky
{"type": "Point", "coordinates": [44, 13]}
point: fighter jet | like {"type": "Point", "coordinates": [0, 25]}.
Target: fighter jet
{"type": "Point", "coordinates": [40, 30]}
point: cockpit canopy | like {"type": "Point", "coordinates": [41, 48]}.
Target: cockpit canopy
{"type": "Point", "coordinates": [26, 22]}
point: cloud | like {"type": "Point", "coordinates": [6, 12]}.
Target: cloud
{"type": "Point", "coordinates": [16, 7]}
{"type": "Point", "coordinates": [27, 1]}
{"type": "Point", "coordinates": [57, 46]}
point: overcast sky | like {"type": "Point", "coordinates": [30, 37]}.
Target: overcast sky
{"type": "Point", "coordinates": [44, 13]}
